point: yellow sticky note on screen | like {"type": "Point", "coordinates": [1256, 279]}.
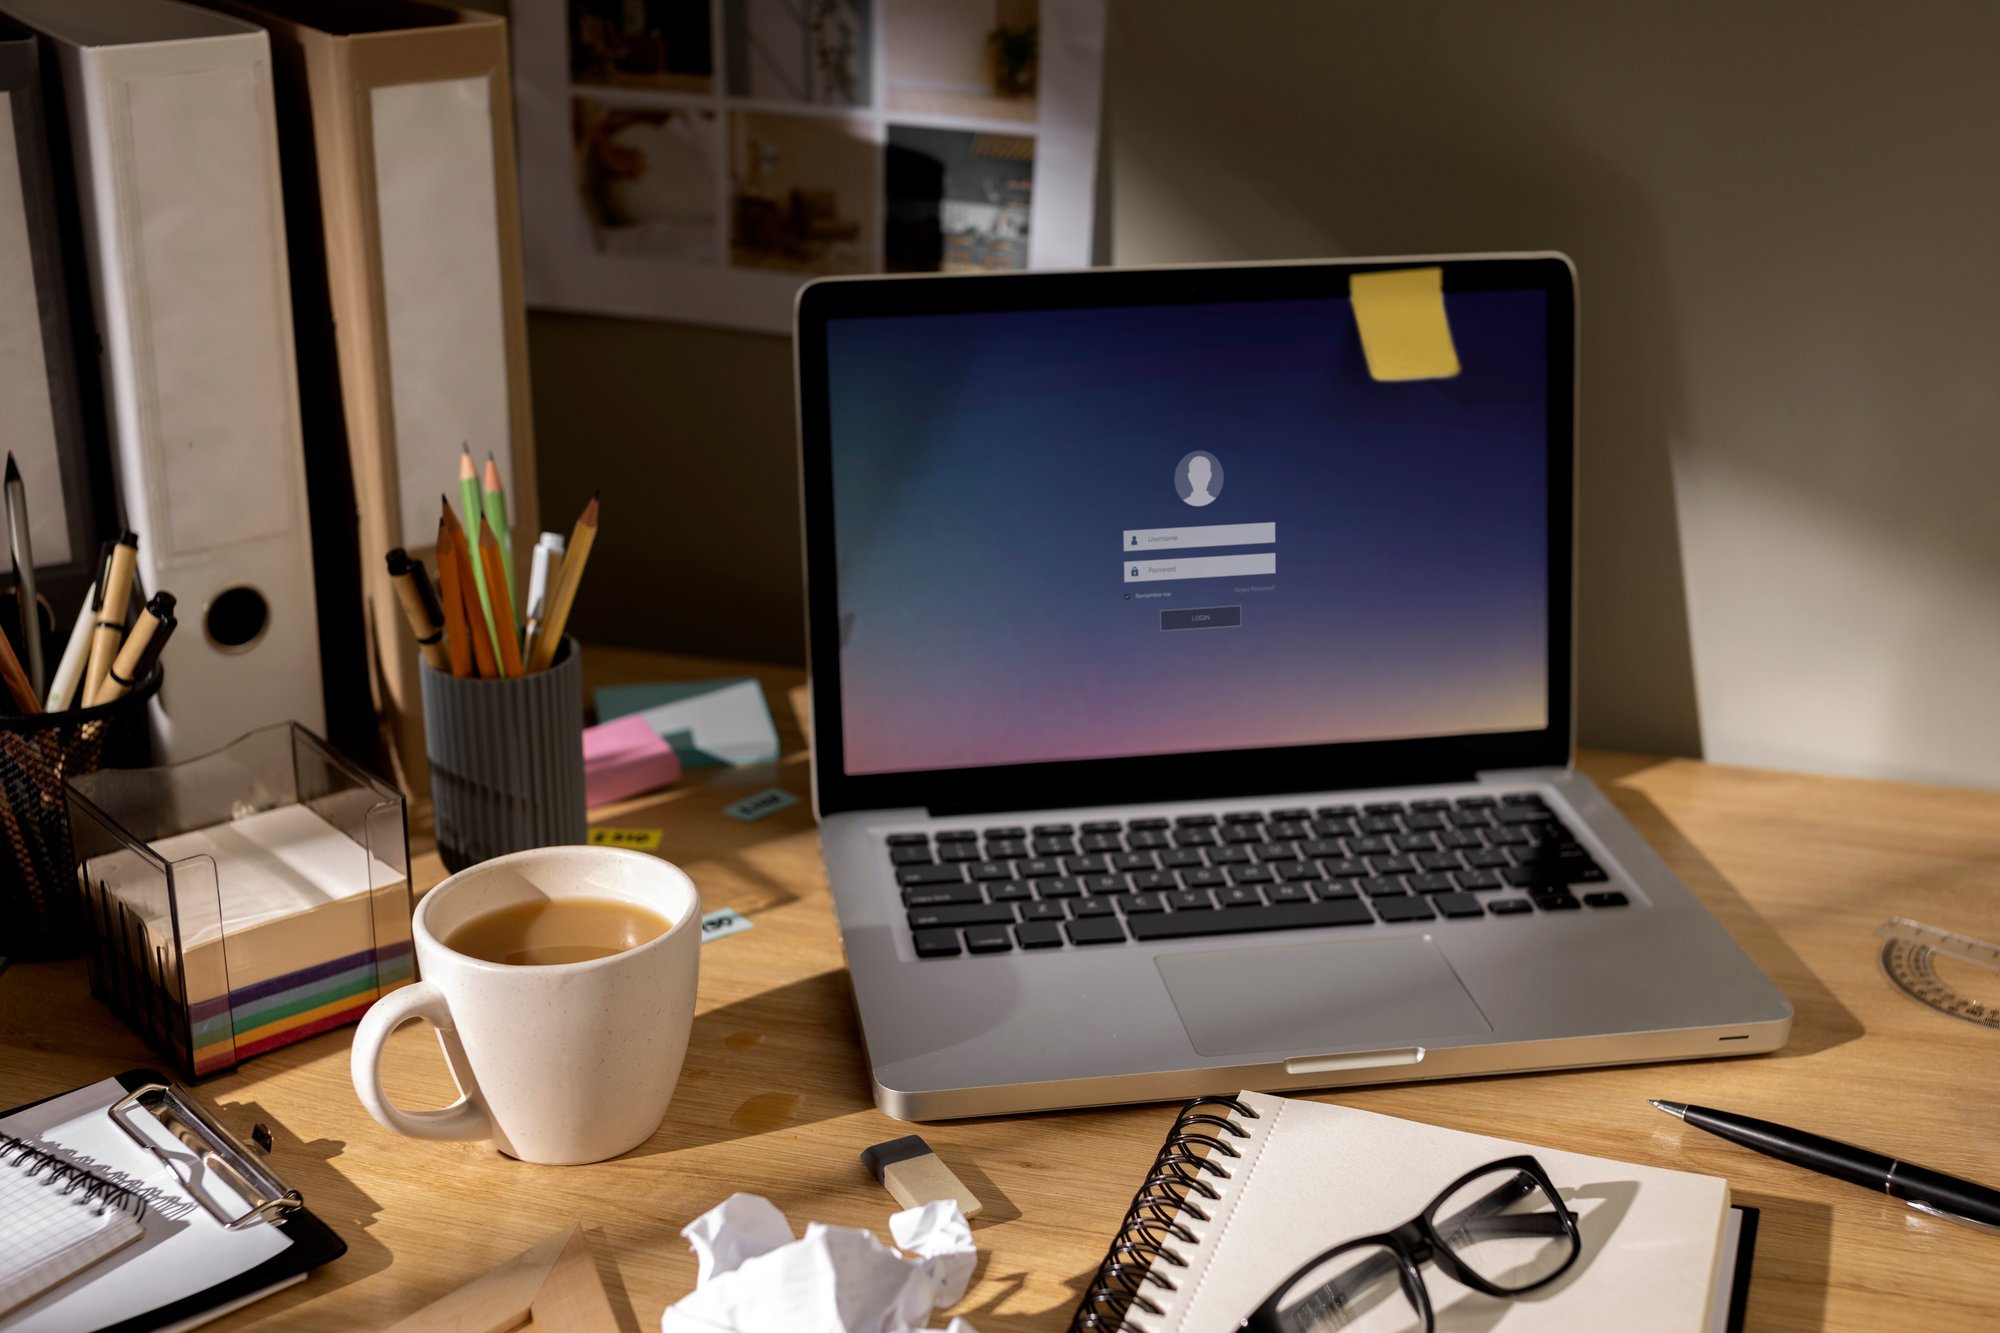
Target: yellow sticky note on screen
{"type": "Point", "coordinates": [638, 839]}
{"type": "Point", "coordinates": [1404, 332]}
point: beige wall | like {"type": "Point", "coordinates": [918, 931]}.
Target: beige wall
{"type": "Point", "coordinates": [1783, 214]}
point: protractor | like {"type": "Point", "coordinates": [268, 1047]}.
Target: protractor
{"type": "Point", "coordinates": [1969, 988]}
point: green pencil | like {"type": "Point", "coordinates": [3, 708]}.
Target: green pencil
{"type": "Point", "coordinates": [468, 491]}
{"type": "Point", "coordinates": [496, 519]}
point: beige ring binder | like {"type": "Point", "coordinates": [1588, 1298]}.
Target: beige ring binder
{"type": "Point", "coordinates": [401, 111]}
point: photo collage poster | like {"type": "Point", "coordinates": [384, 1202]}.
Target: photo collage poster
{"type": "Point", "coordinates": [697, 160]}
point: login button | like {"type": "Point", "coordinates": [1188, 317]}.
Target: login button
{"type": "Point", "coordinates": [1203, 617]}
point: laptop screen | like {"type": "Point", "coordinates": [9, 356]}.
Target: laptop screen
{"type": "Point", "coordinates": [1115, 532]}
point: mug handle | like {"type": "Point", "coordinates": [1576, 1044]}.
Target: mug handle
{"type": "Point", "coordinates": [465, 1118]}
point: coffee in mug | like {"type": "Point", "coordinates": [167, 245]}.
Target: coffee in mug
{"type": "Point", "coordinates": [548, 932]}
{"type": "Point", "coordinates": [561, 982]}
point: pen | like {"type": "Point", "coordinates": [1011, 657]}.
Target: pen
{"type": "Point", "coordinates": [24, 574]}
{"type": "Point", "coordinates": [420, 607]}
{"type": "Point", "coordinates": [69, 671]}
{"type": "Point", "coordinates": [548, 555]}
{"type": "Point", "coordinates": [114, 598]}
{"type": "Point", "coordinates": [141, 649]}
{"type": "Point", "coordinates": [1925, 1190]}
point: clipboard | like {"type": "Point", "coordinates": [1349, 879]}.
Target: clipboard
{"type": "Point", "coordinates": [136, 1102]}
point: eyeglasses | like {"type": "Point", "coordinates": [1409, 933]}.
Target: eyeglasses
{"type": "Point", "coordinates": [1500, 1229]}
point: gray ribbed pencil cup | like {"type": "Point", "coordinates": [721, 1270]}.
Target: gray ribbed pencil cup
{"type": "Point", "coordinates": [506, 760]}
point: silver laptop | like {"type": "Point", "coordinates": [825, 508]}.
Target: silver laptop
{"type": "Point", "coordinates": [1193, 690]}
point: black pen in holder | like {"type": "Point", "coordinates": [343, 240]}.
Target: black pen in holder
{"type": "Point", "coordinates": [38, 753]}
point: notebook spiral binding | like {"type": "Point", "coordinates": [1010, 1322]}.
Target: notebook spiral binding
{"type": "Point", "coordinates": [69, 1178]}
{"type": "Point", "coordinates": [1179, 1177]}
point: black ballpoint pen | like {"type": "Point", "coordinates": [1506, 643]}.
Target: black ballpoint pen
{"type": "Point", "coordinates": [1923, 1189]}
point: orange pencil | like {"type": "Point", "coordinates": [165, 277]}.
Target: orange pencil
{"type": "Point", "coordinates": [503, 605]}
{"type": "Point", "coordinates": [17, 679]}
{"type": "Point", "coordinates": [475, 616]}
{"type": "Point", "coordinates": [456, 640]}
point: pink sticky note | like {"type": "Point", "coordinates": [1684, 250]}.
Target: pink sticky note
{"type": "Point", "coordinates": [624, 758]}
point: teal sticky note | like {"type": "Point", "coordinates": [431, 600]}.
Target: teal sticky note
{"type": "Point", "coordinates": [710, 723]}
{"type": "Point", "coordinates": [722, 923]}
{"type": "Point", "coordinates": [766, 802]}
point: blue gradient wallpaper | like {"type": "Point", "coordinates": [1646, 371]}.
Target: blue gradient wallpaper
{"type": "Point", "coordinates": [989, 468]}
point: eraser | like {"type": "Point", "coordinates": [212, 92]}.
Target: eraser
{"type": "Point", "coordinates": [915, 1175]}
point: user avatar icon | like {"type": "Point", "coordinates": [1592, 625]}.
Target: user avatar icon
{"type": "Point", "coordinates": [1198, 478]}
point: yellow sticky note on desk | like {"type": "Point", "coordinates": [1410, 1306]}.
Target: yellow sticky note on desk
{"type": "Point", "coordinates": [1404, 332]}
{"type": "Point", "coordinates": [638, 839]}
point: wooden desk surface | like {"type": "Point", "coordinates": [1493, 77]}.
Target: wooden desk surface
{"type": "Point", "coordinates": [774, 1098]}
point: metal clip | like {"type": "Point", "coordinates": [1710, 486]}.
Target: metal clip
{"type": "Point", "coordinates": [215, 1149]}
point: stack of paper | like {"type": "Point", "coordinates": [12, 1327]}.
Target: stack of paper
{"type": "Point", "coordinates": [301, 932]}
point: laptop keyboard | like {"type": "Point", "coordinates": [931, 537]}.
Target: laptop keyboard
{"type": "Point", "coordinates": [997, 889]}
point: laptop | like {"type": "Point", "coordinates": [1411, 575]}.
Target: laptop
{"type": "Point", "coordinates": [1193, 710]}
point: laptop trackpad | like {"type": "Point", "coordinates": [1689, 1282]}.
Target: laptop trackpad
{"type": "Point", "coordinates": [1319, 997]}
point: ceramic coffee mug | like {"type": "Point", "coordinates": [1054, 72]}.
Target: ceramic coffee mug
{"type": "Point", "coordinates": [558, 1064]}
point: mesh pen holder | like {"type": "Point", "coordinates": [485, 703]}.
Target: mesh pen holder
{"type": "Point", "coordinates": [506, 760]}
{"type": "Point", "coordinates": [39, 904]}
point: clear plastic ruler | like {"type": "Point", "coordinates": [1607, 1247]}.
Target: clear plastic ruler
{"type": "Point", "coordinates": [1910, 950]}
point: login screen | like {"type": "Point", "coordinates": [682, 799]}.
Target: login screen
{"type": "Point", "coordinates": [1083, 534]}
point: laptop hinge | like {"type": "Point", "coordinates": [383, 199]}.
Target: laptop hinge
{"type": "Point", "coordinates": [1071, 800]}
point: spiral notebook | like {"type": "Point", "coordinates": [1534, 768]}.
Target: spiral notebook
{"type": "Point", "coordinates": [56, 1219]}
{"type": "Point", "coordinates": [1248, 1188]}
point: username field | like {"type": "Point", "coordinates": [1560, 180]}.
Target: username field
{"type": "Point", "coordinates": [1212, 534]}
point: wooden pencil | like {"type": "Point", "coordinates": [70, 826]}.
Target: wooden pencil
{"type": "Point", "coordinates": [493, 499]}
{"type": "Point", "coordinates": [457, 641]}
{"type": "Point", "coordinates": [482, 641]}
{"type": "Point", "coordinates": [468, 493]}
{"type": "Point", "coordinates": [563, 595]}
{"type": "Point", "coordinates": [503, 604]}
{"type": "Point", "coordinates": [18, 683]}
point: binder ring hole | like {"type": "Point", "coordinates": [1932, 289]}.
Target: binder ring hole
{"type": "Point", "coordinates": [236, 619]}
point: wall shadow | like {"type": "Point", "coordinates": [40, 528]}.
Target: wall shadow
{"type": "Point", "coordinates": [1400, 138]}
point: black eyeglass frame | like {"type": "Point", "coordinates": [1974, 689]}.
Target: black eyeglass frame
{"type": "Point", "coordinates": [1418, 1241]}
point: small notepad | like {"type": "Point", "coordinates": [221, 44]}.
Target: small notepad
{"type": "Point", "coordinates": [56, 1220]}
{"type": "Point", "coordinates": [1295, 1178]}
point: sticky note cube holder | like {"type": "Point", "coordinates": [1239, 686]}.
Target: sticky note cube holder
{"type": "Point", "coordinates": [240, 901]}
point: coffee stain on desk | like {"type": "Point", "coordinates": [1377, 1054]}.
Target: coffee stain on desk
{"type": "Point", "coordinates": [765, 1112]}
{"type": "Point", "coordinates": [743, 1041]}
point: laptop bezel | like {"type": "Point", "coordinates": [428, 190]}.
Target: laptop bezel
{"type": "Point", "coordinates": [1210, 774]}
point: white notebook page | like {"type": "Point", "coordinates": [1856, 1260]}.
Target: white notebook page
{"type": "Point", "coordinates": [1313, 1175]}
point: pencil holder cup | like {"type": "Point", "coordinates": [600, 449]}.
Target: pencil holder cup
{"type": "Point", "coordinates": [506, 760]}
{"type": "Point", "coordinates": [38, 754]}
